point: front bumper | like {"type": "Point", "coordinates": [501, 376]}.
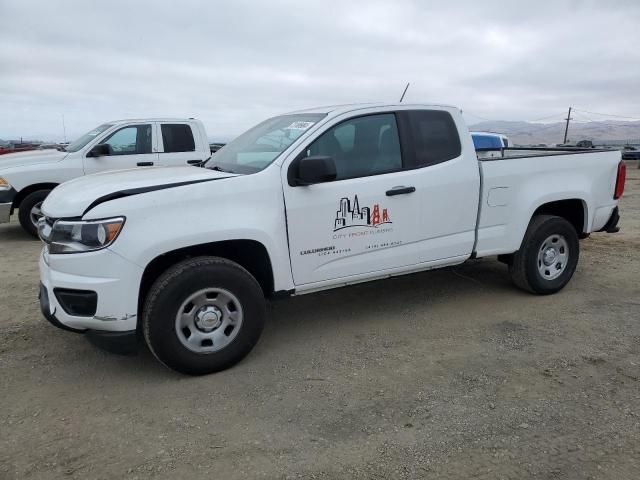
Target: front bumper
{"type": "Point", "coordinates": [6, 204]}
{"type": "Point", "coordinates": [116, 282]}
{"type": "Point", "coordinates": [116, 342]}
{"type": "Point", "coordinates": [5, 212]}
{"type": "Point", "coordinates": [45, 307]}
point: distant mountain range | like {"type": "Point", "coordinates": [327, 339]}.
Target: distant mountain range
{"type": "Point", "coordinates": [526, 133]}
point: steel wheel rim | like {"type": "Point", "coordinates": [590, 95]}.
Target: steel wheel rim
{"type": "Point", "coordinates": [208, 320]}
{"type": "Point", "coordinates": [553, 256]}
{"type": "Point", "coordinates": [36, 213]}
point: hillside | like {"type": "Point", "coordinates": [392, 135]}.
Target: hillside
{"type": "Point", "coordinates": [525, 133]}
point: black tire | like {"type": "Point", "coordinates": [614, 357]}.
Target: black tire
{"type": "Point", "coordinates": [24, 212]}
{"type": "Point", "coordinates": [524, 265]}
{"type": "Point", "coordinates": [175, 286]}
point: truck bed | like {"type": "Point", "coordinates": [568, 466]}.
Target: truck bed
{"type": "Point", "coordinates": [513, 186]}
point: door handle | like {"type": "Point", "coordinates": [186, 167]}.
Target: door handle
{"type": "Point", "coordinates": [400, 191]}
{"type": "Point", "coordinates": [194, 162]}
{"type": "Point", "coordinates": [145, 164]}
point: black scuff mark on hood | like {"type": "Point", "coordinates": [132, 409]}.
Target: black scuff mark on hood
{"type": "Point", "coordinates": [137, 191]}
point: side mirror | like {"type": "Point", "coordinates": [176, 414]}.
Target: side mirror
{"type": "Point", "coordinates": [310, 170]}
{"type": "Point", "coordinates": [100, 150]}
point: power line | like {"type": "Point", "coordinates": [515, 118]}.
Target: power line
{"type": "Point", "coordinates": [583, 116]}
{"type": "Point", "coordinates": [466, 112]}
{"type": "Point", "coordinates": [537, 129]}
{"type": "Point", "coordinates": [548, 116]}
{"type": "Point", "coordinates": [555, 115]}
{"type": "Point", "coordinates": [608, 115]}
{"type": "Point", "coordinates": [558, 115]}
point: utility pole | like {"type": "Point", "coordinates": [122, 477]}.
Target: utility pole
{"type": "Point", "coordinates": [64, 130]}
{"type": "Point", "coordinates": [566, 128]}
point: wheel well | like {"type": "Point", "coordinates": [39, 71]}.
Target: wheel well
{"type": "Point", "coordinates": [571, 210]}
{"type": "Point", "coordinates": [30, 189]}
{"type": "Point", "coordinates": [250, 254]}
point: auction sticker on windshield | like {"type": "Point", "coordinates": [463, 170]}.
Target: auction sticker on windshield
{"type": "Point", "coordinates": [299, 125]}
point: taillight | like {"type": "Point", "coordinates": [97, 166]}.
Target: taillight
{"type": "Point", "coordinates": [620, 179]}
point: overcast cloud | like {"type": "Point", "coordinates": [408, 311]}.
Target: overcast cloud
{"type": "Point", "coordinates": [232, 64]}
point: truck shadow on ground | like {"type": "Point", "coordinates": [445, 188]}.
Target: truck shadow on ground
{"type": "Point", "coordinates": [297, 323]}
{"type": "Point", "coordinates": [397, 299]}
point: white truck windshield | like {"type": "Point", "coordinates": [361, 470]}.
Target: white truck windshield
{"type": "Point", "coordinates": [87, 137]}
{"type": "Point", "coordinates": [255, 149]}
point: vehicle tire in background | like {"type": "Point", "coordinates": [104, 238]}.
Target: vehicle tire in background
{"type": "Point", "coordinates": [29, 211]}
{"type": "Point", "coordinates": [203, 315]}
{"type": "Point", "coordinates": [547, 257]}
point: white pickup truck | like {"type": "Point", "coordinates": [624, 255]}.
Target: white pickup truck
{"type": "Point", "coordinates": [27, 178]}
{"type": "Point", "coordinates": [317, 199]}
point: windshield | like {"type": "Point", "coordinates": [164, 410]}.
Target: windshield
{"type": "Point", "coordinates": [255, 149]}
{"type": "Point", "coordinates": [87, 137]}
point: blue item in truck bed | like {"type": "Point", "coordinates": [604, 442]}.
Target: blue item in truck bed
{"type": "Point", "coordinates": [486, 141]}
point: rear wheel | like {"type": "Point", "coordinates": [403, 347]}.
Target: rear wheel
{"type": "Point", "coordinates": [548, 256]}
{"type": "Point", "coordinates": [30, 211]}
{"type": "Point", "coordinates": [203, 315]}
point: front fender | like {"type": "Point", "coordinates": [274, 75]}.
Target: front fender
{"type": "Point", "coordinates": [238, 208]}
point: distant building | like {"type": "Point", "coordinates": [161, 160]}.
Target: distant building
{"type": "Point", "coordinates": [617, 143]}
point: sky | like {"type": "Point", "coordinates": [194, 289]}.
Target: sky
{"type": "Point", "coordinates": [232, 64]}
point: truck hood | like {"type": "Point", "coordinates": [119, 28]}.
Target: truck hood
{"type": "Point", "coordinates": [78, 196]}
{"type": "Point", "coordinates": [30, 157]}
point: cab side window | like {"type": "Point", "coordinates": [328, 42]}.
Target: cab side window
{"type": "Point", "coordinates": [132, 140]}
{"type": "Point", "coordinates": [361, 146]}
{"type": "Point", "coordinates": [434, 136]}
{"type": "Point", "coordinates": [177, 137]}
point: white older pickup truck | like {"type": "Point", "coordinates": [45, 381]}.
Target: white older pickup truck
{"type": "Point", "coordinates": [27, 178]}
{"type": "Point", "coordinates": [317, 199]}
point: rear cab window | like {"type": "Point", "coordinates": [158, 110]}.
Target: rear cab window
{"type": "Point", "coordinates": [430, 137]}
{"type": "Point", "coordinates": [177, 137]}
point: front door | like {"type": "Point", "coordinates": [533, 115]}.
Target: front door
{"type": "Point", "coordinates": [365, 221]}
{"type": "Point", "coordinates": [129, 146]}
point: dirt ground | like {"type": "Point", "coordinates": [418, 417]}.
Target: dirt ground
{"type": "Point", "coordinates": [446, 374]}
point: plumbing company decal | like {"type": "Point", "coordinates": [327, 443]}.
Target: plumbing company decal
{"type": "Point", "coordinates": [355, 216]}
{"type": "Point", "coordinates": [353, 222]}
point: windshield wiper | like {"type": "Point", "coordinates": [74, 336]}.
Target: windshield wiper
{"type": "Point", "coordinates": [218, 168]}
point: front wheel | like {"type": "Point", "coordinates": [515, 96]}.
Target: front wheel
{"type": "Point", "coordinates": [547, 257]}
{"type": "Point", "coordinates": [30, 211]}
{"type": "Point", "coordinates": [203, 315]}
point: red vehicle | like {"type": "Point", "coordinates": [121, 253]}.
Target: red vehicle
{"type": "Point", "coordinates": [20, 148]}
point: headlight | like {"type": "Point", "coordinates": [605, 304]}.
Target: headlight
{"type": "Point", "coordinates": [75, 236]}
{"type": "Point", "coordinates": [4, 185]}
